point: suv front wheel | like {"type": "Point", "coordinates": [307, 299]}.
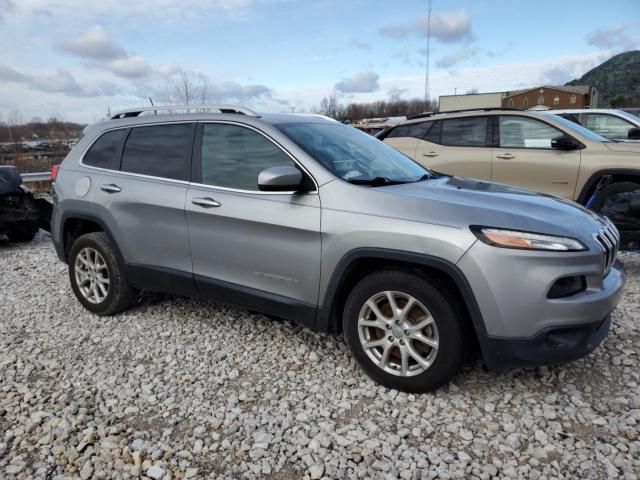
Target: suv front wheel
{"type": "Point", "coordinates": [96, 275]}
{"type": "Point", "coordinates": [404, 331]}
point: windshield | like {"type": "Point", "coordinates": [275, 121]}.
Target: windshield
{"type": "Point", "coordinates": [580, 130]}
{"type": "Point", "coordinates": [353, 155]}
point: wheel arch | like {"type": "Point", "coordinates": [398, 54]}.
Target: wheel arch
{"type": "Point", "coordinates": [74, 224]}
{"type": "Point", "coordinates": [617, 174]}
{"type": "Point", "coordinates": [354, 265]}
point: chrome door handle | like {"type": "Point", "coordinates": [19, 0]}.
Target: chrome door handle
{"type": "Point", "coordinates": [206, 202]}
{"type": "Point", "coordinates": [430, 154]}
{"type": "Point", "coordinates": [506, 156]}
{"type": "Point", "coordinates": [110, 188]}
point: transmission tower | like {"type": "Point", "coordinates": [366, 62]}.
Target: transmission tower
{"type": "Point", "coordinates": [426, 74]}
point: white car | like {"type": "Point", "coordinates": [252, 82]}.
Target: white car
{"type": "Point", "coordinates": [608, 122]}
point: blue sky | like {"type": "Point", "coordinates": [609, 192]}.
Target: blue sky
{"type": "Point", "coordinates": [76, 59]}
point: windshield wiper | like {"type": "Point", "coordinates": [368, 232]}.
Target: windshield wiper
{"type": "Point", "coordinates": [374, 182]}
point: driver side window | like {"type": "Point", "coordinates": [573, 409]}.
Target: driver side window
{"type": "Point", "coordinates": [524, 132]}
{"type": "Point", "coordinates": [233, 156]}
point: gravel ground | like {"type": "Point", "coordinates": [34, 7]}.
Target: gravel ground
{"type": "Point", "coordinates": [179, 388]}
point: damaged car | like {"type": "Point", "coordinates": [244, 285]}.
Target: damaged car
{"type": "Point", "coordinates": [21, 213]}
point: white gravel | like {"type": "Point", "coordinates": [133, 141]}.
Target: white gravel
{"type": "Point", "coordinates": [180, 388]}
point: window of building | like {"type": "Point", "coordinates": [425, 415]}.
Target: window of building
{"type": "Point", "coordinates": [105, 152]}
{"type": "Point", "coordinates": [525, 103]}
{"type": "Point", "coordinates": [556, 100]}
{"type": "Point", "coordinates": [465, 132]}
{"type": "Point", "coordinates": [523, 132]}
{"type": "Point", "coordinates": [510, 103]}
{"type": "Point", "coordinates": [233, 156]}
{"type": "Point", "coordinates": [159, 151]}
{"type": "Point", "coordinates": [573, 99]}
{"type": "Point", "coordinates": [540, 100]}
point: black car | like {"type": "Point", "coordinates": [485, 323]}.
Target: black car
{"type": "Point", "coordinates": [21, 214]}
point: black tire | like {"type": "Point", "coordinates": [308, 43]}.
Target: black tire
{"type": "Point", "coordinates": [120, 294]}
{"type": "Point", "coordinates": [22, 234]}
{"type": "Point", "coordinates": [453, 343]}
{"type": "Point", "coordinates": [617, 202]}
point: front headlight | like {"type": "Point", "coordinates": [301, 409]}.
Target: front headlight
{"type": "Point", "coordinates": [526, 240]}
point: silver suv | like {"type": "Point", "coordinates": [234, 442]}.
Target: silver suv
{"type": "Point", "coordinates": [303, 218]}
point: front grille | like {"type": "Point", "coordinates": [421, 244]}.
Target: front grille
{"type": "Point", "coordinates": [609, 239]}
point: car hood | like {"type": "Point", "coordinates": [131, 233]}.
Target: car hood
{"type": "Point", "coordinates": [460, 202]}
{"type": "Point", "coordinates": [632, 146]}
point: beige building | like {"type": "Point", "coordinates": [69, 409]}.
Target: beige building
{"type": "Point", "coordinates": [449, 103]}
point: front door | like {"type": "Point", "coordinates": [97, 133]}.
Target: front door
{"type": "Point", "coordinates": [524, 157]}
{"type": "Point", "coordinates": [259, 249]}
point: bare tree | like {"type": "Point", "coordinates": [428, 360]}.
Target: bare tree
{"type": "Point", "coordinates": [187, 88]}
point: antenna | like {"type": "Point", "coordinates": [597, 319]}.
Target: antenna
{"type": "Point", "coordinates": [426, 75]}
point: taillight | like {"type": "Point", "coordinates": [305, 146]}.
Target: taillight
{"type": "Point", "coordinates": [54, 172]}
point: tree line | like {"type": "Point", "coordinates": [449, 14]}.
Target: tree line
{"type": "Point", "coordinates": [394, 107]}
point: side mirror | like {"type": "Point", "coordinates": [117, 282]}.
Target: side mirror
{"type": "Point", "coordinates": [285, 178]}
{"type": "Point", "coordinates": [634, 133]}
{"type": "Point", "coordinates": [563, 143]}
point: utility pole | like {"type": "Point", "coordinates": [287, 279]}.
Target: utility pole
{"type": "Point", "coordinates": [426, 75]}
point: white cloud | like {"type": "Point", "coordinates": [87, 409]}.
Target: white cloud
{"type": "Point", "coordinates": [133, 66]}
{"type": "Point", "coordinates": [94, 44]}
{"type": "Point", "coordinates": [456, 57]}
{"type": "Point", "coordinates": [6, 7]}
{"type": "Point", "coordinates": [359, 83]}
{"type": "Point", "coordinates": [615, 37]}
{"type": "Point", "coordinates": [447, 27]}
{"type": "Point", "coordinates": [59, 82]}
{"type": "Point", "coordinates": [360, 44]}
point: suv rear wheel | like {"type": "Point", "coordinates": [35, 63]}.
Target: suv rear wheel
{"type": "Point", "coordinates": [96, 275]}
{"type": "Point", "coordinates": [404, 331]}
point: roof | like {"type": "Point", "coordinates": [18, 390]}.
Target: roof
{"type": "Point", "coordinates": [581, 89]}
{"type": "Point", "coordinates": [268, 118]}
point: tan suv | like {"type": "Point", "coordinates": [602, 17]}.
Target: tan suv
{"type": "Point", "coordinates": [536, 150]}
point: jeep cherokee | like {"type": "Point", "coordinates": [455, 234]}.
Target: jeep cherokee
{"type": "Point", "coordinates": [307, 219]}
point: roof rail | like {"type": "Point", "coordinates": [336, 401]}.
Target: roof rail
{"type": "Point", "coordinates": [485, 109]}
{"type": "Point", "coordinates": [134, 112]}
{"type": "Point", "coordinates": [421, 115]}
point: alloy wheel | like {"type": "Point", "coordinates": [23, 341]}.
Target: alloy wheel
{"type": "Point", "coordinates": [92, 275]}
{"type": "Point", "coordinates": [398, 333]}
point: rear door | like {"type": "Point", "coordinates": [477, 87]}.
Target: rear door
{"type": "Point", "coordinates": [258, 249]}
{"type": "Point", "coordinates": [142, 202]}
{"type": "Point", "coordinates": [458, 146]}
{"type": "Point", "coordinates": [405, 137]}
{"type": "Point", "coordinates": [523, 156]}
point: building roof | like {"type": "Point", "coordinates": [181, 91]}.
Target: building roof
{"type": "Point", "coordinates": [581, 89]}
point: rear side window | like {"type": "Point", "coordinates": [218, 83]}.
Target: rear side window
{"type": "Point", "coordinates": [465, 132]}
{"type": "Point", "coordinates": [233, 156]}
{"type": "Point", "coordinates": [415, 130]}
{"type": "Point", "coordinates": [105, 152]}
{"type": "Point", "coordinates": [160, 151]}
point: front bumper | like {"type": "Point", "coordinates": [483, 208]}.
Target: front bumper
{"type": "Point", "coordinates": [550, 347]}
{"type": "Point", "coordinates": [522, 326]}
